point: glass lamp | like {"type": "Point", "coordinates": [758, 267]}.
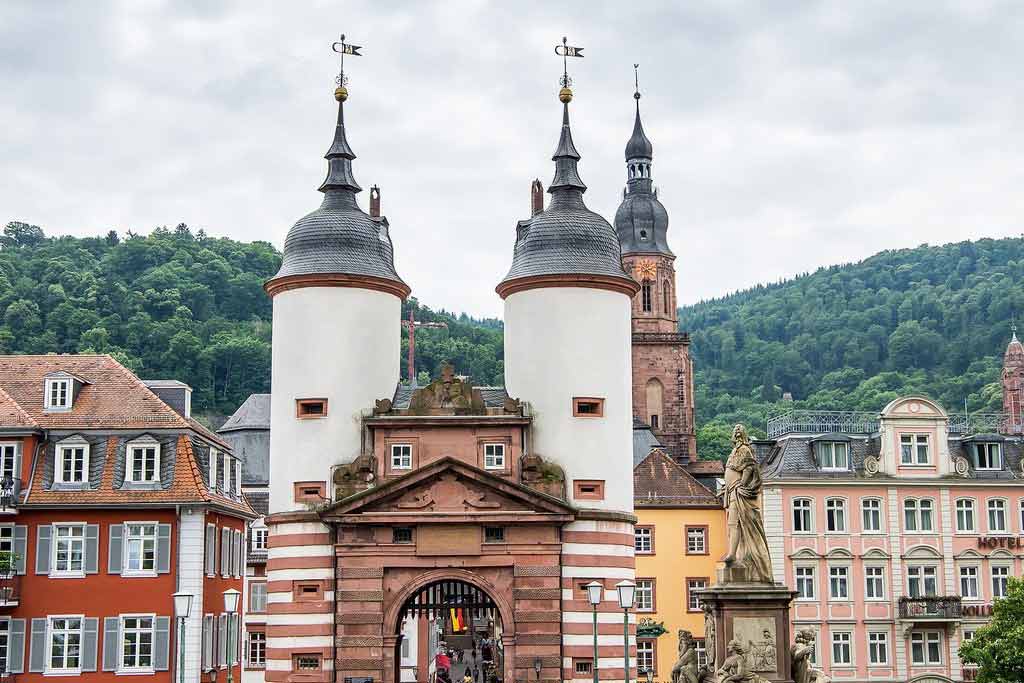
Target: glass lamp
{"type": "Point", "coordinates": [182, 604]}
{"type": "Point", "coordinates": [594, 591]}
{"type": "Point", "coordinates": [231, 600]}
{"type": "Point", "coordinates": [627, 592]}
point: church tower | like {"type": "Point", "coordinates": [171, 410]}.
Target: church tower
{"type": "Point", "coordinates": [1013, 385]}
{"type": "Point", "coordinates": [662, 369]}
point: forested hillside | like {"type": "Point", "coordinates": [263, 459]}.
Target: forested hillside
{"type": "Point", "coordinates": [179, 305]}
{"type": "Point", "coordinates": [183, 305]}
{"type": "Point", "coordinates": [932, 320]}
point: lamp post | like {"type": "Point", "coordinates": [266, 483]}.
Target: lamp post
{"type": "Point", "coordinates": [182, 606]}
{"type": "Point", "coordinates": [627, 591]}
{"type": "Point", "coordinates": [230, 606]}
{"type": "Point", "coordinates": [594, 591]}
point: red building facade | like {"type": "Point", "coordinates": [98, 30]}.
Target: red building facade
{"type": "Point", "coordinates": [113, 500]}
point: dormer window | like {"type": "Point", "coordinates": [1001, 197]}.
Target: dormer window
{"type": "Point", "coordinates": [58, 394]}
{"type": "Point", "coordinates": [987, 456]}
{"type": "Point", "coordinates": [226, 466]}
{"type": "Point", "coordinates": [143, 462]}
{"type": "Point", "coordinates": [914, 449]}
{"type": "Point", "coordinates": [212, 473]}
{"type": "Point", "coordinates": [72, 464]}
{"type": "Point", "coordinates": [833, 455]}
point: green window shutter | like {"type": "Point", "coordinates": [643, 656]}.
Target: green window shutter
{"type": "Point", "coordinates": [115, 552]}
{"type": "Point", "coordinates": [37, 650]}
{"type": "Point", "coordinates": [111, 642]}
{"type": "Point", "coordinates": [16, 646]}
{"type": "Point", "coordinates": [163, 549]}
{"type": "Point", "coordinates": [92, 548]}
{"type": "Point", "coordinates": [43, 534]}
{"type": "Point", "coordinates": [90, 636]}
{"type": "Point", "coordinates": [162, 644]}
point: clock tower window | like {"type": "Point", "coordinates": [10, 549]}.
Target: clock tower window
{"type": "Point", "coordinates": [645, 296]}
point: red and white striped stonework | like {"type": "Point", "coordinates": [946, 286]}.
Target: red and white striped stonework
{"type": "Point", "coordinates": [596, 550]}
{"type": "Point", "coordinates": [300, 598]}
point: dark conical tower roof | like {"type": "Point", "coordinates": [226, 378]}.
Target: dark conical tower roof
{"type": "Point", "coordinates": [641, 221]}
{"type": "Point", "coordinates": [567, 241]}
{"type": "Point", "coordinates": [339, 243]}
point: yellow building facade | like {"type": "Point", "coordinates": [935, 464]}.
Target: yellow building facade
{"type": "Point", "coordinates": [680, 536]}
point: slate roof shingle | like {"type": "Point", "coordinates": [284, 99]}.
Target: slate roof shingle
{"type": "Point", "coordinates": [658, 481]}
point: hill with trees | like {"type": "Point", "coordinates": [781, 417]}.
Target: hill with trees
{"type": "Point", "coordinates": [183, 305]}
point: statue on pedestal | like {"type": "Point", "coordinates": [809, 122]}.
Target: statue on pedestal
{"type": "Point", "coordinates": [685, 669]}
{"type": "Point", "coordinates": [748, 545]}
{"type": "Point", "coordinates": [800, 653]}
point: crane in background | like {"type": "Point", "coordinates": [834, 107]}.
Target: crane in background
{"type": "Point", "coordinates": [411, 324]}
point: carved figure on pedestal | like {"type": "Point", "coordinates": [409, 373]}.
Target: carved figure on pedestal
{"type": "Point", "coordinates": [748, 545]}
{"type": "Point", "coordinates": [685, 669]}
{"type": "Point", "coordinates": [709, 637]}
{"type": "Point", "coordinates": [764, 653]}
{"type": "Point", "coordinates": [800, 653]}
{"type": "Point", "coordinates": [737, 668]}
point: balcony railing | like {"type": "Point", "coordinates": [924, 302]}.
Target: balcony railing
{"type": "Point", "coordinates": [10, 590]}
{"type": "Point", "coordinates": [822, 422]}
{"type": "Point", "coordinates": [931, 608]}
{"type": "Point", "coordinates": [985, 423]}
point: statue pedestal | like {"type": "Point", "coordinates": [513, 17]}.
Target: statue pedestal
{"type": "Point", "coordinates": [755, 614]}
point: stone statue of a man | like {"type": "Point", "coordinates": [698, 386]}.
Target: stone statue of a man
{"type": "Point", "coordinates": [748, 546]}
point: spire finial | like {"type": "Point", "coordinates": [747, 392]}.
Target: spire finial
{"type": "Point", "coordinates": [565, 51]}
{"type": "Point", "coordinates": [636, 83]}
{"type": "Point", "coordinates": [340, 155]}
{"type": "Point", "coordinates": [343, 48]}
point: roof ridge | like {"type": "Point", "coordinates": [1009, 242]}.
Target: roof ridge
{"type": "Point", "coordinates": [18, 408]}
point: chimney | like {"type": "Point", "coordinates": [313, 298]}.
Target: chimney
{"type": "Point", "coordinates": [536, 197]}
{"type": "Point", "coordinates": [374, 202]}
{"type": "Point", "coordinates": [175, 394]}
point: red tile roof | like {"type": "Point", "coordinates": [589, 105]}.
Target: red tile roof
{"type": "Point", "coordinates": [659, 481]}
{"type": "Point", "coordinates": [12, 415]}
{"type": "Point", "coordinates": [705, 467]}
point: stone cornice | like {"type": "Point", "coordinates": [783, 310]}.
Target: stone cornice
{"type": "Point", "coordinates": [622, 285]}
{"type": "Point", "coordinates": [275, 286]}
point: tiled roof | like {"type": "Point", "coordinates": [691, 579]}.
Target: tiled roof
{"type": "Point", "coordinates": [12, 415]}
{"type": "Point", "coordinates": [705, 467]}
{"type": "Point", "coordinates": [113, 398]}
{"type": "Point", "coordinates": [658, 481]}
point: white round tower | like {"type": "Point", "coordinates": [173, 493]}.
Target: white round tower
{"type": "Point", "coordinates": [568, 338]}
{"type": "Point", "coordinates": [337, 335]}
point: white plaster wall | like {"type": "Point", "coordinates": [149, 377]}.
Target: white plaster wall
{"type": "Point", "coordinates": [191, 546]}
{"type": "Point", "coordinates": [340, 343]}
{"type": "Point", "coordinates": [562, 342]}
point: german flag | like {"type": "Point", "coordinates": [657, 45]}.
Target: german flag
{"type": "Point", "coordinates": [458, 620]}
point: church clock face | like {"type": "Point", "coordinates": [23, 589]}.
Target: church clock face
{"type": "Point", "coordinates": [646, 270]}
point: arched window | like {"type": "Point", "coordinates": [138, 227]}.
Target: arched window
{"type": "Point", "coordinates": [666, 295]}
{"type": "Point", "coordinates": [645, 296]}
{"type": "Point", "coordinates": [655, 393]}
{"type": "Point", "coordinates": [917, 514]}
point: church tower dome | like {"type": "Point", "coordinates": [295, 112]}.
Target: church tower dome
{"type": "Point", "coordinates": [336, 325]}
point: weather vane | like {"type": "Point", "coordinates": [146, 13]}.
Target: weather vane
{"type": "Point", "coordinates": [343, 48]}
{"type": "Point", "coordinates": [565, 51]}
{"type": "Point", "coordinates": [636, 81]}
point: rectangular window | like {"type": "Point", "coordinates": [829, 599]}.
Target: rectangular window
{"type": "Point", "coordinates": [309, 408]}
{"type": "Point", "coordinates": [969, 583]}
{"type": "Point", "coordinates": [833, 455]}
{"type": "Point", "coordinates": [136, 643]}
{"type": "Point", "coordinates": [645, 656]}
{"type": "Point", "coordinates": [1000, 581]}
{"type": "Point", "coordinates": [921, 580]}
{"type": "Point", "coordinates": [987, 456]}
{"type": "Point", "coordinates": [259, 538]}
{"type": "Point", "coordinates": [143, 463]}
{"type": "Point", "coordinates": [588, 489]}
{"type": "Point", "coordinates": [645, 595]}
{"type": "Point", "coordinates": [842, 649]}
{"type": "Point", "coordinates": [874, 583]}
{"type": "Point", "coordinates": [871, 514]}
{"type": "Point", "coordinates": [225, 464]}
{"type": "Point", "coordinates": [69, 549]}
{"type": "Point", "coordinates": [494, 534]}
{"type": "Point", "coordinates": [584, 668]}
{"type": "Point", "coordinates": [140, 548]}
{"type": "Point", "coordinates": [5, 627]}
{"type": "Point", "coordinates": [65, 650]}
{"type": "Point", "coordinates": [9, 461]}
{"type": "Point", "coordinates": [208, 631]}
{"type": "Point", "coordinates": [914, 449]}
{"type": "Point", "coordinates": [702, 652]}
{"type": "Point", "coordinates": [878, 648]}
{"type": "Point", "coordinates": [257, 649]}
{"type": "Point", "coordinates": [212, 473]}
{"type": "Point", "coordinates": [839, 583]}
{"type": "Point", "coordinates": [587, 407]}
{"type": "Point", "coordinates": [72, 463]}
{"type": "Point", "coordinates": [965, 515]}
{"type": "Point", "coordinates": [917, 515]}
{"type": "Point", "coordinates": [997, 516]}
{"type": "Point", "coordinates": [804, 583]}
{"type": "Point", "coordinates": [692, 595]}
{"type": "Point", "coordinates": [494, 456]}
{"type": "Point", "coordinates": [643, 539]}
{"type": "Point", "coordinates": [802, 516]}
{"type": "Point", "coordinates": [401, 534]}
{"type": "Point", "coordinates": [58, 393]}
{"type": "Point", "coordinates": [401, 456]}
{"type": "Point", "coordinates": [696, 540]}
{"type": "Point", "coordinates": [306, 662]}
{"type": "Point", "coordinates": [926, 648]}
{"type": "Point", "coordinates": [835, 515]}
{"type": "Point", "coordinates": [257, 597]}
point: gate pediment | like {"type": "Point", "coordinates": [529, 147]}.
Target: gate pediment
{"type": "Point", "coordinates": [449, 488]}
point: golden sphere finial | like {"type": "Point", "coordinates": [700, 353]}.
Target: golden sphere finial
{"type": "Point", "coordinates": [565, 95]}
{"type": "Point", "coordinates": [341, 93]}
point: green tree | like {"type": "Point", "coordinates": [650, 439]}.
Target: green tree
{"type": "Point", "coordinates": [714, 441]}
{"type": "Point", "coordinates": [998, 648]}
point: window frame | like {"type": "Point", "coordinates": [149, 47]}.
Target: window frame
{"type": "Point", "coordinates": [972, 509]}
{"type": "Point", "coordinates": [646, 297]}
{"type": "Point", "coordinates": [58, 465]}
{"type": "Point", "coordinates": [262, 646]}
{"type": "Point", "coordinates": [922, 576]}
{"type": "Point", "coordinates": [143, 445]}
{"type": "Point", "coordinates": [126, 537]}
{"type": "Point", "coordinates": [703, 536]}
{"type": "Point", "coordinates": [829, 447]}
{"type": "Point", "coordinates": [69, 394]}
{"type": "Point", "coordinates": [303, 405]}
{"type": "Point", "coordinates": [811, 581]}
{"type": "Point", "coordinates": [48, 668]}
{"type": "Point", "coordinates": [879, 580]}
{"type": "Point", "coordinates": [578, 401]}
{"type": "Point", "coordinates": [849, 663]}
{"type": "Point", "coordinates": [988, 516]}
{"type": "Point", "coordinates": [652, 588]}
{"type": "Point", "coordinates": [864, 510]}
{"type": "Point", "coordinates": [121, 633]}
{"type": "Point", "coordinates": [874, 646]}
{"type": "Point", "coordinates": [924, 637]}
{"type": "Point", "coordinates": [252, 593]}
{"type": "Point", "coordinates": [258, 537]}
{"type": "Point", "coordinates": [976, 449]}
{"type": "Point", "coordinates": [918, 506]}
{"type": "Point", "coordinates": [963, 575]}
{"type": "Point", "coordinates": [54, 549]}
{"type": "Point", "coordinates": [1003, 579]}
{"type": "Point", "coordinates": [498, 462]}
{"type": "Point", "coordinates": [837, 511]}
{"type": "Point", "coordinates": [833, 582]}
{"type": "Point", "coordinates": [401, 457]}
{"type": "Point", "coordinates": [649, 648]}
{"type": "Point", "coordinates": [497, 538]}
{"type": "Point", "coordinates": [691, 589]}
{"type": "Point", "coordinates": [809, 511]}
{"type": "Point", "coordinates": [917, 440]}
{"type": "Point", "coordinates": [637, 530]}
{"type": "Point", "coordinates": [15, 449]}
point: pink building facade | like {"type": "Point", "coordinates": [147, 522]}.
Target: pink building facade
{"type": "Point", "coordinates": [898, 531]}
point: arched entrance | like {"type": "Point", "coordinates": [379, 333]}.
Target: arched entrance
{"type": "Point", "coordinates": [446, 627]}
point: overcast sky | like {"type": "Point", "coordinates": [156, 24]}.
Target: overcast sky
{"type": "Point", "coordinates": [787, 135]}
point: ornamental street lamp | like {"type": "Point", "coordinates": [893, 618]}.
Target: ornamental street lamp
{"type": "Point", "coordinates": [627, 591]}
{"type": "Point", "coordinates": [594, 591]}
{"type": "Point", "coordinates": [182, 606]}
{"type": "Point", "coordinates": [230, 607]}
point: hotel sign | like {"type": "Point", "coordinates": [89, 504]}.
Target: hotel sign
{"type": "Point", "coordinates": [1000, 542]}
